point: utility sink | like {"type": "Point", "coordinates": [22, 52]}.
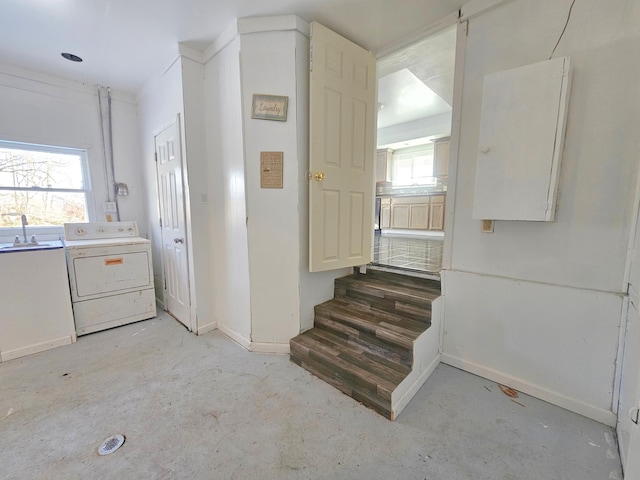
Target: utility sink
{"type": "Point", "coordinates": [28, 246]}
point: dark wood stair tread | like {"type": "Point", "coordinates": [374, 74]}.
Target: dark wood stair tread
{"type": "Point", "coordinates": [405, 331]}
{"type": "Point", "coordinates": [363, 340]}
{"type": "Point", "coordinates": [393, 283]}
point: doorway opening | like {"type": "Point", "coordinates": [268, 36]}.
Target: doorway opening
{"type": "Point", "coordinates": [415, 98]}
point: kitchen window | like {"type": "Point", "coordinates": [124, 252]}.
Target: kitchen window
{"type": "Point", "coordinates": [413, 166]}
{"type": "Point", "coordinates": [48, 184]}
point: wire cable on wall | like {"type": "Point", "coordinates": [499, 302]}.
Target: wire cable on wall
{"type": "Point", "coordinates": [563, 30]}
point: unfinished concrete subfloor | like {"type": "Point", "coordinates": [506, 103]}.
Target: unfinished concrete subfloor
{"type": "Point", "coordinates": [202, 407]}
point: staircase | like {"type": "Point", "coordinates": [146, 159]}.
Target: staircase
{"type": "Point", "coordinates": [376, 341]}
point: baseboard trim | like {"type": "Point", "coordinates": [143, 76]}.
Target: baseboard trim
{"type": "Point", "coordinates": [36, 348]}
{"type": "Point", "coordinates": [598, 414]}
{"type": "Point", "coordinates": [207, 327]}
{"type": "Point", "coordinates": [235, 336]}
{"type": "Point", "coordinates": [275, 348]}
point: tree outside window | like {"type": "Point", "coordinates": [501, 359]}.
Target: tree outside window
{"type": "Point", "coordinates": [48, 184]}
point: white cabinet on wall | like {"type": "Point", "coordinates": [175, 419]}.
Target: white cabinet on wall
{"type": "Point", "coordinates": [521, 134]}
{"type": "Point", "coordinates": [383, 165]}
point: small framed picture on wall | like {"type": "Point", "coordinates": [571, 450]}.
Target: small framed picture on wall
{"type": "Point", "coordinates": [269, 107]}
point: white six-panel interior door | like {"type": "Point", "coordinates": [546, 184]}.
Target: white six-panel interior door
{"type": "Point", "coordinates": [172, 218]}
{"type": "Point", "coordinates": [342, 151]}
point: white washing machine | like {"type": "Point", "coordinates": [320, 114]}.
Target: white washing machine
{"type": "Point", "coordinates": [110, 275]}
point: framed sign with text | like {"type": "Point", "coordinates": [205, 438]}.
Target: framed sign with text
{"type": "Point", "coordinates": [269, 107]}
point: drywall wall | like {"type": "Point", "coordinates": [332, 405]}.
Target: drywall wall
{"type": "Point", "coordinates": [630, 380]}
{"type": "Point", "coordinates": [159, 103]}
{"type": "Point", "coordinates": [586, 246]}
{"type": "Point", "coordinates": [226, 179]}
{"type": "Point", "coordinates": [178, 95]}
{"type": "Point", "coordinates": [494, 324]}
{"type": "Point", "coordinates": [556, 343]}
{"type": "Point", "coordinates": [630, 383]}
{"type": "Point", "coordinates": [43, 109]}
{"type": "Point", "coordinates": [268, 66]}
{"type": "Point", "coordinates": [283, 293]}
{"type": "Point", "coordinates": [197, 192]}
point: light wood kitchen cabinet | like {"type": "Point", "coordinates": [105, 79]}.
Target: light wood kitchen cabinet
{"type": "Point", "coordinates": [441, 157]}
{"type": "Point", "coordinates": [399, 216]}
{"type": "Point", "coordinates": [436, 213]}
{"type": "Point", "coordinates": [425, 212]}
{"type": "Point", "coordinates": [383, 164]}
{"type": "Point", "coordinates": [419, 216]}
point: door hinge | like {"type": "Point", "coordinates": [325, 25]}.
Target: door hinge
{"type": "Point", "coordinates": [161, 223]}
{"type": "Point", "coordinates": [155, 157]}
{"type": "Point", "coordinates": [311, 58]}
{"type": "Point", "coordinates": [165, 283]}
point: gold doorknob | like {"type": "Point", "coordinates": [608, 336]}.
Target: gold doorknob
{"type": "Point", "coordinates": [319, 176]}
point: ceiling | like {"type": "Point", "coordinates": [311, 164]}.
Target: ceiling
{"type": "Point", "coordinates": [125, 42]}
{"type": "Point", "coordinates": [415, 83]}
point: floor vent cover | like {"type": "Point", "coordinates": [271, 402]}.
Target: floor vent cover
{"type": "Point", "coordinates": [111, 444]}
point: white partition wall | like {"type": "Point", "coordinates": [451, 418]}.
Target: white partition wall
{"type": "Point", "coordinates": [539, 304]}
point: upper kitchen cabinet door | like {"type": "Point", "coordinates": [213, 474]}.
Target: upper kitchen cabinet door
{"type": "Point", "coordinates": [521, 139]}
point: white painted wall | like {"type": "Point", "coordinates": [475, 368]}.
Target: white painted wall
{"type": "Point", "coordinates": [180, 91]}
{"type": "Point", "coordinates": [197, 192]}
{"type": "Point", "coordinates": [227, 224]}
{"type": "Point", "coordinates": [269, 66]}
{"type": "Point", "coordinates": [283, 292]}
{"type": "Point", "coordinates": [159, 103]}
{"type": "Point", "coordinates": [47, 110]}
{"type": "Point", "coordinates": [630, 380]}
{"type": "Point", "coordinates": [630, 383]}
{"type": "Point", "coordinates": [516, 300]}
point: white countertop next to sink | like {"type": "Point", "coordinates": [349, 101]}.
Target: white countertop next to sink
{"type": "Point", "coordinates": [36, 312]}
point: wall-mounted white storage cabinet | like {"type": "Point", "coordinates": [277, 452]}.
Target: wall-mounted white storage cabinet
{"type": "Point", "coordinates": [520, 144]}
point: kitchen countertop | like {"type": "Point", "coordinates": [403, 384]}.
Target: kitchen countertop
{"type": "Point", "coordinates": [409, 192]}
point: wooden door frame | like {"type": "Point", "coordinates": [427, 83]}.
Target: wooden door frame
{"type": "Point", "coordinates": [454, 19]}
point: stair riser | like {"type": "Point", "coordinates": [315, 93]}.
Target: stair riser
{"type": "Point", "coordinates": [354, 354]}
{"type": "Point", "coordinates": [325, 369]}
{"type": "Point", "coordinates": [362, 330]}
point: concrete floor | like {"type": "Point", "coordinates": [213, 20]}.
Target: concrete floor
{"type": "Point", "coordinates": [202, 407]}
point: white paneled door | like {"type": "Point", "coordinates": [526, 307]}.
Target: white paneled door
{"type": "Point", "coordinates": [342, 151]}
{"type": "Point", "coordinates": [172, 218]}
{"type": "Point", "coordinates": [628, 428]}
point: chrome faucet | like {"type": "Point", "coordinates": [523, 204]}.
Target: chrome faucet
{"type": "Point", "coordinates": [23, 217]}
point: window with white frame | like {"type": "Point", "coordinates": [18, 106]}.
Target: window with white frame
{"type": "Point", "coordinates": [413, 166]}
{"type": "Point", "coordinates": [50, 185]}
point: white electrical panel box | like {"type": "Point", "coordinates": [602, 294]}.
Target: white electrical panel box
{"type": "Point", "coordinates": [522, 127]}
